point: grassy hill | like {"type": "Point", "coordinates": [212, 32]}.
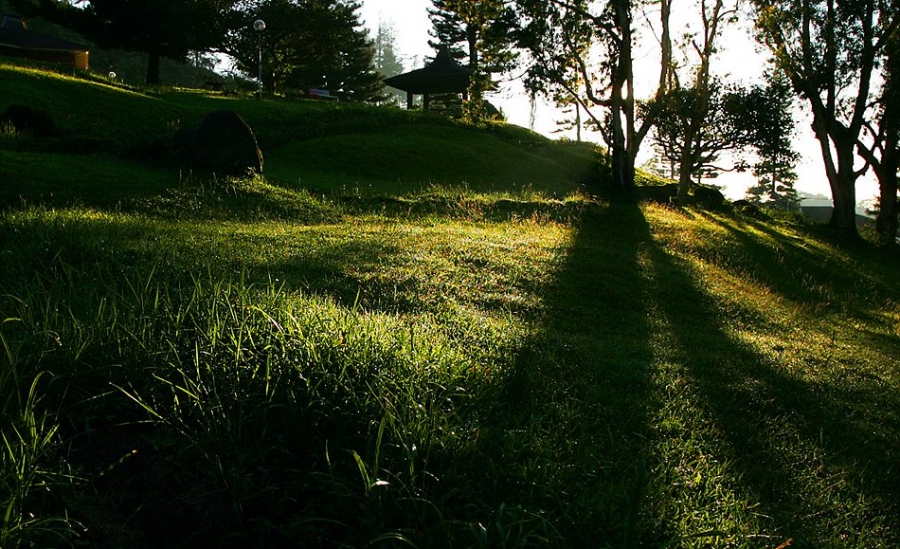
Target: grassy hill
{"type": "Point", "coordinates": [323, 146]}
{"type": "Point", "coordinates": [411, 332]}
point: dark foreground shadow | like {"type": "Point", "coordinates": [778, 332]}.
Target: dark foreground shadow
{"type": "Point", "coordinates": [578, 395]}
{"type": "Point", "coordinates": [574, 433]}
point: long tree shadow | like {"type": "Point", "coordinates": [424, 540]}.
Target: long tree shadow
{"type": "Point", "coordinates": [792, 442]}
{"type": "Point", "coordinates": [796, 268]}
{"type": "Point", "coordinates": [578, 395]}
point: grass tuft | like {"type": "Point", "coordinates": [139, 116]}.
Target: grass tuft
{"type": "Point", "coordinates": [476, 355]}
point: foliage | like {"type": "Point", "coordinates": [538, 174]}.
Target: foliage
{"type": "Point", "coordinates": [588, 56]}
{"type": "Point", "coordinates": [252, 362]}
{"type": "Point", "coordinates": [485, 30]}
{"type": "Point", "coordinates": [697, 120]}
{"type": "Point", "coordinates": [770, 108]}
{"type": "Point", "coordinates": [723, 120]}
{"type": "Point", "coordinates": [307, 44]}
{"type": "Point", "coordinates": [159, 28]}
{"type": "Point", "coordinates": [829, 50]}
{"type": "Point", "coordinates": [387, 59]}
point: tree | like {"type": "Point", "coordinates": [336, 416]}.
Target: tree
{"type": "Point", "coordinates": [480, 34]}
{"type": "Point", "coordinates": [829, 50]}
{"type": "Point", "coordinates": [769, 114]}
{"type": "Point", "coordinates": [386, 59]}
{"type": "Point", "coordinates": [572, 119]}
{"type": "Point", "coordinates": [562, 36]}
{"type": "Point", "coordinates": [882, 151]}
{"type": "Point", "coordinates": [309, 44]}
{"type": "Point", "coordinates": [159, 28]}
{"type": "Point", "coordinates": [701, 108]}
{"type": "Point", "coordinates": [696, 126]}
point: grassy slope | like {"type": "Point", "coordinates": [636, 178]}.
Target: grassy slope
{"type": "Point", "coordinates": [405, 356]}
{"type": "Point", "coordinates": [324, 146]}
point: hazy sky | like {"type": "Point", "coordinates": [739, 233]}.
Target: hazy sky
{"type": "Point", "coordinates": [739, 60]}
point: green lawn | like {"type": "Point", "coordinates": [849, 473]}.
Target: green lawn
{"type": "Point", "coordinates": [475, 354]}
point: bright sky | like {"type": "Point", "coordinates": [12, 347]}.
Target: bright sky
{"type": "Point", "coordinates": [411, 23]}
{"type": "Point", "coordinates": [740, 59]}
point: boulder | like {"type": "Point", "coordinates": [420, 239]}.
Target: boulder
{"type": "Point", "coordinates": [223, 143]}
{"type": "Point", "coordinates": [662, 194]}
{"type": "Point", "coordinates": [746, 207]}
{"type": "Point", "coordinates": [708, 196]}
{"type": "Point", "coordinates": [24, 119]}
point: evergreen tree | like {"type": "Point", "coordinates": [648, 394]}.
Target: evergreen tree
{"type": "Point", "coordinates": [770, 116]}
{"type": "Point", "coordinates": [479, 33]}
{"type": "Point", "coordinates": [309, 44]}
{"type": "Point", "coordinates": [387, 60]}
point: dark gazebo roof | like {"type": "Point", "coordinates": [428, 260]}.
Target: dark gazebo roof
{"type": "Point", "coordinates": [443, 75]}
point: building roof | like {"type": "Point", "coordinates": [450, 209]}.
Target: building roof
{"type": "Point", "coordinates": [443, 75]}
{"type": "Point", "coordinates": [14, 34]}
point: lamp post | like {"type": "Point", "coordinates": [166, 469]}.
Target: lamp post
{"type": "Point", "coordinates": [259, 26]}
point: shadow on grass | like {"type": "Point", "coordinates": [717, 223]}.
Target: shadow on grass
{"type": "Point", "coordinates": [567, 430]}
{"type": "Point", "coordinates": [792, 266]}
{"type": "Point", "coordinates": [573, 435]}
{"type": "Point", "coordinates": [820, 457]}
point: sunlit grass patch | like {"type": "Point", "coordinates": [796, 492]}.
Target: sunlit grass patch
{"type": "Point", "coordinates": [248, 361]}
{"type": "Point", "coordinates": [766, 347]}
{"type": "Point", "coordinates": [246, 199]}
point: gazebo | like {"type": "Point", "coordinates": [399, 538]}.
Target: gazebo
{"type": "Point", "coordinates": [443, 75]}
{"type": "Point", "coordinates": [16, 40]}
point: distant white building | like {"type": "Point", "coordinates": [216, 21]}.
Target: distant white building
{"type": "Point", "coordinates": [818, 209]}
{"type": "Point", "coordinates": [815, 202]}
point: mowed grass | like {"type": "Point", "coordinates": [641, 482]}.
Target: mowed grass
{"type": "Point", "coordinates": [256, 363]}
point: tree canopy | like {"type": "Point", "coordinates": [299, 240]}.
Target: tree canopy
{"type": "Point", "coordinates": [829, 50]}
{"type": "Point", "coordinates": [159, 28]}
{"type": "Point", "coordinates": [770, 107]}
{"type": "Point", "coordinates": [481, 34]}
{"type": "Point", "coordinates": [579, 51]}
{"type": "Point", "coordinates": [387, 59]}
{"type": "Point", "coordinates": [308, 44]}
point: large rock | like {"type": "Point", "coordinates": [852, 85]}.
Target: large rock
{"type": "Point", "coordinates": [24, 119]}
{"type": "Point", "coordinates": [662, 194]}
{"type": "Point", "coordinates": [747, 208]}
{"type": "Point", "coordinates": [709, 197]}
{"type": "Point", "coordinates": [223, 143]}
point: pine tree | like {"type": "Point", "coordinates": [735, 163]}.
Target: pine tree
{"type": "Point", "coordinates": [310, 44]}
{"type": "Point", "coordinates": [387, 60]}
{"type": "Point", "coordinates": [773, 125]}
{"type": "Point", "coordinates": [479, 33]}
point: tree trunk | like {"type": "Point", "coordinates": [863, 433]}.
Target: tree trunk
{"type": "Point", "coordinates": [685, 163]}
{"type": "Point", "coordinates": [843, 217]}
{"type": "Point", "coordinates": [841, 177]}
{"type": "Point", "coordinates": [624, 147]}
{"type": "Point", "coordinates": [886, 224]}
{"type": "Point", "coordinates": [153, 68]}
{"type": "Point", "coordinates": [886, 170]}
